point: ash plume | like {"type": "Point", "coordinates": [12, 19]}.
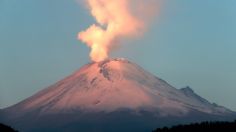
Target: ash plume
{"type": "Point", "coordinates": [115, 19]}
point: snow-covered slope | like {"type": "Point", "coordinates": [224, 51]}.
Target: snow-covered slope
{"type": "Point", "coordinates": [107, 88]}
{"type": "Point", "coordinates": [115, 84]}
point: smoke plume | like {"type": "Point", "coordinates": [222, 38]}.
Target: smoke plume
{"type": "Point", "coordinates": [115, 19]}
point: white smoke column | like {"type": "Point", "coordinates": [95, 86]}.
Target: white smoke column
{"type": "Point", "coordinates": [114, 21]}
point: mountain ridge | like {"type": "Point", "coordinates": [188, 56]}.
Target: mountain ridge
{"type": "Point", "coordinates": [110, 90]}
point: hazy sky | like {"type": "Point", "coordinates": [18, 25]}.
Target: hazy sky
{"type": "Point", "coordinates": [190, 42]}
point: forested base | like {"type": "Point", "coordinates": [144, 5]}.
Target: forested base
{"type": "Point", "coordinates": [204, 126]}
{"type": "Point", "coordinates": [5, 128]}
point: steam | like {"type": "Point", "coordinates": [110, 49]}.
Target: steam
{"type": "Point", "coordinates": [115, 20]}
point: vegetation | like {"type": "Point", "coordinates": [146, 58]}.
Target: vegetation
{"type": "Point", "coordinates": [5, 128]}
{"type": "Point", "coordinates": [201, 127]}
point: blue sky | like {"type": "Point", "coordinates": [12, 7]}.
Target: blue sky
{"type": "Point", "coordinates": [190, 42]}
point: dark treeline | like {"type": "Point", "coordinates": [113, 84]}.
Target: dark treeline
{"type": "Point", "coordinates": [5, 128]}
{"type": "Point", "coordinates": [201, 127]}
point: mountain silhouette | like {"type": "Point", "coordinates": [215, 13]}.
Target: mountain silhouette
{"type": "Point", "coordinates": [112, 95]}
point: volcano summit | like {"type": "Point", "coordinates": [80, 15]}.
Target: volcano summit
{"type": "Point", "coordinates": [111, 95]}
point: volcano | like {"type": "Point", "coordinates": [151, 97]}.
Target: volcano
{"type": "Point", "coordinates": [111, 95]}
